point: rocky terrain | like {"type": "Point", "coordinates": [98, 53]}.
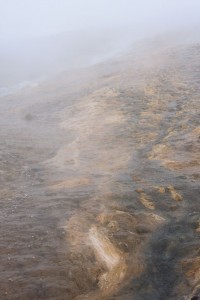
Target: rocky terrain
{"type": "Point", "coordinates": [99, 173]}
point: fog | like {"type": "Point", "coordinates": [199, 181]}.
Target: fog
{"type": "Point", "coordinates": [25, 18]}
{"type": "Point", "coordinates": [99, 149]}
{"type": "Point", "coordinates": [41, 38]}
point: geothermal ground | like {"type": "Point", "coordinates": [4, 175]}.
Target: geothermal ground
{"type": "Point", "coordinates": [99, 174]}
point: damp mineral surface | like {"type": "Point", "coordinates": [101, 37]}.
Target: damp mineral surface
{"type": "Point", "coordinates": [99, 174]}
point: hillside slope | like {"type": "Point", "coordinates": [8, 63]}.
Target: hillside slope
{"type": "Point", "coordinates": [100, 181]}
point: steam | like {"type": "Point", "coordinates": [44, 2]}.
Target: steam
{"type": "Point", "coordinates": [39, 39]}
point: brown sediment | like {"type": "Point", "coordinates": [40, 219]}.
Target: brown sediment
{"type": "Point", "coordinates": [198, 227]}
{"type": "Point", "coordinates": [139, 191]}
{"type": "Point", "coordinates": [113, 260]}
{"type": "Point", "coordinates": [184, 157]}
{"type": "Point", "coordinates": [174, 165]}
{"type": "Point", "coordinates": [104, 250]}
{"type": "Point", "coordinates": [116, 239]}
{"type": "Point", "coordinates": [160, 189]}
{"type": "Point", "coordinates": [6, 194]}
{"type": "Point", "coordinates": [191, 269]}
{"type": "Point", "coordinates": [71, 183]}
{"type": "Point", "coordinates": [160, 152]}
{"type": "Point", "coordinates": [146, 201]}
{"type": "Point", "coordinates": [136, 178]}
{"type": "Point", "coordinates": [174, 194]}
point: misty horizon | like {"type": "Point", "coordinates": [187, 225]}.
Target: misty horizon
{"type": "Point", "coordinates": [21, 19]}
{"type": "Point", "coordinates": [39, 39]}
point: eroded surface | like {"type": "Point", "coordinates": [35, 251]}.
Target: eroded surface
{"type": "Point", "coordinates": [100, 182]}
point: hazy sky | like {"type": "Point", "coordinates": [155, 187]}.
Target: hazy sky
{"type": "Point", "coordinates": [27, 18]}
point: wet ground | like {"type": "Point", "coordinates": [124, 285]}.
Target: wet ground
{"type": "Point", "coordinates": [99, 174]}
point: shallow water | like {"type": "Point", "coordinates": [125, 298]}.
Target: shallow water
{"type": "Point", "coordinates": [100, 182]}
